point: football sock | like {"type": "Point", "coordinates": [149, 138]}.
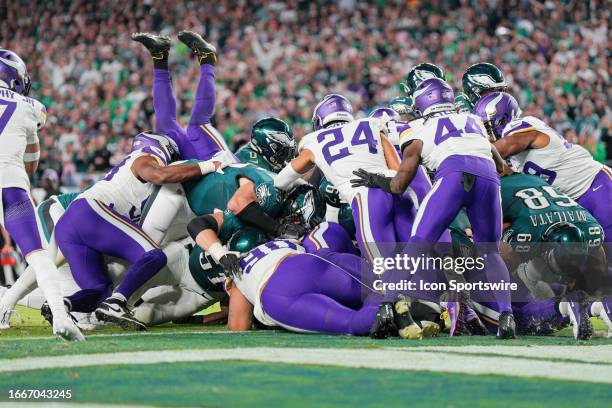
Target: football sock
{"type": "Point", "coordinates": [160, 60]}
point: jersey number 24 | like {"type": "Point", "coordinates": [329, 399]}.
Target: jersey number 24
{"type": "Point", "coordinates": [337, 147]}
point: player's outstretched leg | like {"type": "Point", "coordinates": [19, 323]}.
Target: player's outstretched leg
{"type": "Point", "coordinates": [158, 46]}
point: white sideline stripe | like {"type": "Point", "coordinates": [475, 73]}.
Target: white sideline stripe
{"type": "Point", "coordinates": [406, 359]}
{"type": "Point", "coordinates": [588, 354]}
{"type": "Point", "coordinates": [146, 333]}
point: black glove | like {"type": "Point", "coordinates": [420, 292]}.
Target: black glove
{"type": "Point", "coordinates": [231, 265]}
{"type": "Point", "coordinates": [291, 231]}
{"type": "Point", "coordinates": [372, 180]}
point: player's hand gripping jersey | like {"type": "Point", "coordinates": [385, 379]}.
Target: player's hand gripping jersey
{"type": "Point", "coordinates": [338, 151]}
{"type": "Point", "coordinates": [20, 119]}
{"type": "Point", "coordinates": [532, 206]}
{"type": "Point", "coordinates": [561, 164]}
{"type": "Point", "coordinates": [121, 189]}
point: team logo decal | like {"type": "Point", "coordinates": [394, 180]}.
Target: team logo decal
{"type": "Point", "coordinates": [263, 192]}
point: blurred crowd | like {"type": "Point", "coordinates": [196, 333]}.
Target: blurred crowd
{"type": "Point", "coordinates": [280, 58]}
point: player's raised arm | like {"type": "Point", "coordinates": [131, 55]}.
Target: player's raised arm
{"type": "Point", "coordinates": [287, 178]}
{"type": "Point", "coordinates": [150, 169]}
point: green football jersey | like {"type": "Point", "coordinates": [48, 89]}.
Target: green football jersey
{"type": "Point", "coordinates": [213, 192]}
{"type": "Point", "coordinates": [44, 215]}
{"type": "Point", "coordinates": [532, 206]}
{"type": "Point", "coordinates": [208, 274]}
{"type": "Point", "coordinates": [247, 155]}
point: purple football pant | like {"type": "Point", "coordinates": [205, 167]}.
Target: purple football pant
{"type": "Point", "coordinates": [329, 235]}
{"type": "Point", "coordinates": [483, 206]}
{"type": "Point", "coordinates": [19, 219]}
{"type": "Point", "coordinates": [200, 140]}
{"type": "Point", "coordinates": [87, 231]}
{"type": "Point", "coordinates": [597, 200]}
{"type": "Point", "coordinates": [327, 299]}
{"type": "Point", "coordinates": [381, 218]}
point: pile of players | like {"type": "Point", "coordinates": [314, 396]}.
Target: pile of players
{"type": "Point", "coordinates": [287, 236]}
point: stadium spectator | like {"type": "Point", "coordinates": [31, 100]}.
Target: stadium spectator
{"type": "Point", "coordinates": [280, 58]}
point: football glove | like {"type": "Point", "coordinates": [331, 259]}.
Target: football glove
{"type": "Point", "coordinates": [291, 231]}
{"type": "Point", "coordinates": [231, 265]}
{"type": "Point", "coordinates": [372, 180]}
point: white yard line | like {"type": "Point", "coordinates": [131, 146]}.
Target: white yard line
{"type": "Point", "coordinates": [601, 354]}
{"type": "Point", "coordinates": [130, 334]}
{"type": "Point", "coordinates": [392, 359]}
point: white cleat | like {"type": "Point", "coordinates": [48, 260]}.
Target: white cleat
{"type": "Point", "coordinates": [65, 328]}
{"type": "Point", "coordinates": [5, 317]}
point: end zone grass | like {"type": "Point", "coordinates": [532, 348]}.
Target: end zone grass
{"type": "Point", "coordinates": [196, 366]}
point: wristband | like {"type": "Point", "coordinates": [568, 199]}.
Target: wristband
{"type": "Point", "coordinates": [31, 157]}
{"type": "Point", "coordinates": [217, 251]}
{"type": "Point", "coordinates": [206, 167]}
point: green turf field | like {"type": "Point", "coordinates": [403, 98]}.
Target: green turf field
{"type": "Point", "coordinates": [179, 365]}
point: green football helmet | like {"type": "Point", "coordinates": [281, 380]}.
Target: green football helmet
{"type": "Point", "coordinates": [418, 74]}
{"type": "Point", "coordinates": [273, 140]}
{"type": "Point", "coordinates": [332, 197]}
{"type": "Point", "coordinates": [481, 79]}
{"type": "Point", "coordinates": [329, 193]}
{"type": "Point", "coordinates": [403, 105]}
{"type": "Point", "coordinates": [246, 239]}
{"type": "Point", "coordinates": [565, 247]}
{"type": "Point", "coordinates": [462, 103]}
{"type": "Point", "coordinates": [304, 205]}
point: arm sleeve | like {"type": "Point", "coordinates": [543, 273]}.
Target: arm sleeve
{"type": "Point", "coordinates": [287, 178]}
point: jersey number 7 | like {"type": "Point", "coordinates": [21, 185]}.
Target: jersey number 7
{"type": "Point", "coordinates": [8, 108]}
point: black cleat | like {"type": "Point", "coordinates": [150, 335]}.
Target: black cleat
{"type": "Point", "coordinates": [406, 326]}
{"type": "Point", "coordinates": [384, 323]}
{"type": "Point", "coordinates": [507, 327]}
{"type": "Point", "coordinates": [577, 310]}
{"type": "Point", "coordinates": [115, 311]}
{"type": "Point", "coordinates": [45, 312]}
{"type": "Point", "coordinates": [158, 45]}
{"type": "Point", "coordinates": [206, 52]}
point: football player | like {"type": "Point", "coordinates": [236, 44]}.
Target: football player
{"type": "Point", "coordinates": [533, 147]}
{"type": "Point", "coordinates": [271, 147]}
{"type": "Point", "coordinates": [403, 106]}
{"type": "Point", "coordinates": [478, 80]}
{"type": "Point", "coordinates": [19, 153]}
{"type": "Point", "coordinates": [418, 74]}
{"type": "Point", "coordinates": [200, 140]}
{"type": "Point", "coordinates": [456, 147]}
{"type": "Point", "coordinates": [102, 221]}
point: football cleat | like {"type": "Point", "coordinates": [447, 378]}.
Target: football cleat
{"type": "Point", "coordinates": [605, 312]}
{"type": "Point", "coordinates": [456, 316]}
{"type": "Point", "coordinates": [473, 324]}
{"type": "Point", "coordinates": [572, 306]}
{"type": "Point", "coordinates": [406, 326]}
{"type": "Point", "coordinates": [158, 45]}
{"type": "Point", "coordinates": [65, 328]}
{"type": "Point", "coordinates": [384, 323]}
{"type": "Point", "coordinates": [115, 311]}
{"type": "Point", "coordinates": [429, 329]}
{"type": "Point", "coordinates": [206, 52]}
{"type": "Point", "coordinates": [5, 317]}
{"type": "Point", "coordinates": [507, 326]}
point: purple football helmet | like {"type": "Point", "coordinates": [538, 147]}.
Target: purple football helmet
{"type": "Point", "coordinates": [433, 95]}
{"type": "Point", "coordinates": [390, 114]}
{"type": "Point", "coordinates": [162, 146]}
{"type": "Point", "coordinates": [496, 110]}
{"type": "Point", "coordinates": [14, 73]}
{"type": "Point", "coordinates": [333, 108]}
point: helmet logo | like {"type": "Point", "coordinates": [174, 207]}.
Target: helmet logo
{"type": "Point", "coordinates": [485, 80]}
{"type": "Point", "coordinates": [278, 136]}
{"type": "Point", "coordinates": [423, 75]}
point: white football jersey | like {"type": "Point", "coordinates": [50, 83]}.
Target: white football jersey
{"type": "Point", "coordinates": [564, 165]}
{"type": "Point", "coordinates": [121, 190]}
{"type": "Point", "coordinates": [257, 267]}
{"type": "Point", "coordinates": [448, 134]}
{"type": "Point", "coordinates": [340, 150]}
{"type": "Point", "coordinates": [20, 119]}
